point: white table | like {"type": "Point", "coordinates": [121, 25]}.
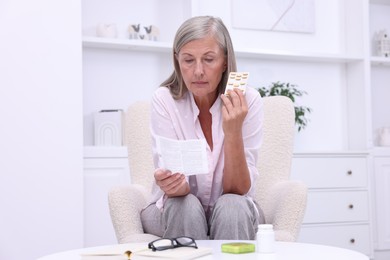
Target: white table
{"type": "Point", "coordinates": [284, 251]}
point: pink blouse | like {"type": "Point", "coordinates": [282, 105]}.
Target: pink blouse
{"type": "Point", "coordinates": [178, 119]}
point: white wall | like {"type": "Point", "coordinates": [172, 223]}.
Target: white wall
{"type": "Point", "coordinates": [326, 38]}
{"type": "Point", "coordinates": [41, 209]}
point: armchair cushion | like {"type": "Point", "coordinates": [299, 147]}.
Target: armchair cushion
{"type": "Point", "coordinates": [282, 201]}
{"type": "Point", "coordinates": [126, 203]}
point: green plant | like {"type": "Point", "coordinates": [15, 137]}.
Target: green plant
{"type": "Point", "coordinates": [291, 91]}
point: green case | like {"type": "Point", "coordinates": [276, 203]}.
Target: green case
{"type": "Point", "coordinates": [238, 248]}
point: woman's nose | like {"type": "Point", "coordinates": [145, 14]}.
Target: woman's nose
{"type": "Point", "coordinates": [199, 68]}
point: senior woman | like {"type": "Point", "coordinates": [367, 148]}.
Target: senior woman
{"type": "Point", "coordinates": [191, 104]}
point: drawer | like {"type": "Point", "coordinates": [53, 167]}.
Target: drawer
{"type": "Point", "coordinates": [333, 172]}
{"type": "Point", "coordinates": [336, 206]}
{"type": "Point", "coordinates": [354, 237]}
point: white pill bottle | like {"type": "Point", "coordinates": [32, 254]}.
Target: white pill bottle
{"type": "Point", "coordinates": [265, 239]}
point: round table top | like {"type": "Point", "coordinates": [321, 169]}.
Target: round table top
{"type": "Point", "coordinates": [283, 251]}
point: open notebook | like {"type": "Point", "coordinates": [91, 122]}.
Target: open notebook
{"type": "Point", "coordinates": [117, 252]}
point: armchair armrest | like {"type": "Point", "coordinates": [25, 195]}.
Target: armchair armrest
{"type": "Point", "coordinates": [284, 207]}
{"type": "Point", "coordinates": [125, 204]}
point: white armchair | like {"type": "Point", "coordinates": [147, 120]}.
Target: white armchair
{"type": "Point", "coordinates": [282, 200]}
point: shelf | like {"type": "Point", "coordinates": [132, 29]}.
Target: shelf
{"type": "Point", "coordinates": [105, 152]}
{"type": "Point", "coordinates": [380, 61]}
{"type": "Point", "coordinates": [125, 44]}
{"type": "Point", "coordinates": [295, 56]}
{"type": "Point", "coordinates": [381, 151]}
{"type": "Point", "coordinates": [165, 47]}
{"type": "Point", "coordinates": [381, 2]}
{"type": "Point", "coordinates": [121, 152]}
{"type": "Point", "coordinates": [325, 154]}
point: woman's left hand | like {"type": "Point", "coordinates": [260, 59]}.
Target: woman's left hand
{"type": "Point", "coordinates": [234, 112]}
{"type": "Point", "coordinates": [172, 184]}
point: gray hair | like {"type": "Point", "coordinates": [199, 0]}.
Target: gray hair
{"type": "Point", "coordinates": [197, 28]}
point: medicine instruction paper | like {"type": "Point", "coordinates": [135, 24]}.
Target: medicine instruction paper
{"type": "Point", "coordinates": [185, 156]}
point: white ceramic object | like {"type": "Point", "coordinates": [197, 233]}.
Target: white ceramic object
{"type": "Point", "coordinates": [141, 32]}
{"type": "Point", "coordinates": [106, 30]}
{"type": "Point", "coordinates": [384, 136]}
{"type": "Point", "coordinates": [109, 128]}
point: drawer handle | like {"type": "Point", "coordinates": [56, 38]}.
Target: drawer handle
{"type": "Point", "coordinates": [349, 172]}
{"type": "Point", "coordinates": [352, 241]}
{"type": "Point", "coordinates": [350, 206]}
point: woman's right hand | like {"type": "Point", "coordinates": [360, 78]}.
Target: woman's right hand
{"type": "Point", "coordinates": [173, 184]}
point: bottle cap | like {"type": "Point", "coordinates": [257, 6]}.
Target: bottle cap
{"type": "Point", "coordinates": [266, 226]}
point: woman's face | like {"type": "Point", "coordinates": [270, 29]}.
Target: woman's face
{"type": "Point", "coordinates": [202, 63]}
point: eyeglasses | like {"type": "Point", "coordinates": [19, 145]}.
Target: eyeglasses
{"type": "Point", "coordinates": [170, 243]}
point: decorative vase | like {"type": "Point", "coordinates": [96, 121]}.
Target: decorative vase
{"type": "Point", "coordinates": [384, 136]}
{"type": "Point", "coordinates": [109, 128]}
{"type": "Point", "coordinates": [106, 30]}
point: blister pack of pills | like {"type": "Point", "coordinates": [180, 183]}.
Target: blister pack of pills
{"type": "Point", "coordinates": [237, 80]}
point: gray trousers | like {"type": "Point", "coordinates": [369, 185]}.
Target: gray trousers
{"type": "Point", "coordinates": [234, 218]}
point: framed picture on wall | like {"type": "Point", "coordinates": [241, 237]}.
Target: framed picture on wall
{"type": "Point", "coordinates": [274, 15]}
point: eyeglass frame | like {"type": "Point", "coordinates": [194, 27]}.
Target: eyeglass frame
{"type": "Point", "coordinates": [174, 244]}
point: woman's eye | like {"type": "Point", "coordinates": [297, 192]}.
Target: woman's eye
{"type": "Point", "coordinates": [209, 60]}
{"type": "Point", "coordinates": [188, 61]}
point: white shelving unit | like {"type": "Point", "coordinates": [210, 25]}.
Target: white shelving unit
{"type": "Point", "coordinates": [380, 70]}
{"type": "Point", "coordinates": [348, 85]}
{"type": "Point", "coordinates": [380, 89]}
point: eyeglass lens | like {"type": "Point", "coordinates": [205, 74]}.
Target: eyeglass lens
{"type": "Point", "coordinates": [185, 241]}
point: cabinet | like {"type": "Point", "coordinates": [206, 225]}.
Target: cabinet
{"type": "Point", "coordinates": [103, 169]}
{"type": "Point", "coordinates": [381, 158]}
{"type": "Point", "coordinates": [338, 206]}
